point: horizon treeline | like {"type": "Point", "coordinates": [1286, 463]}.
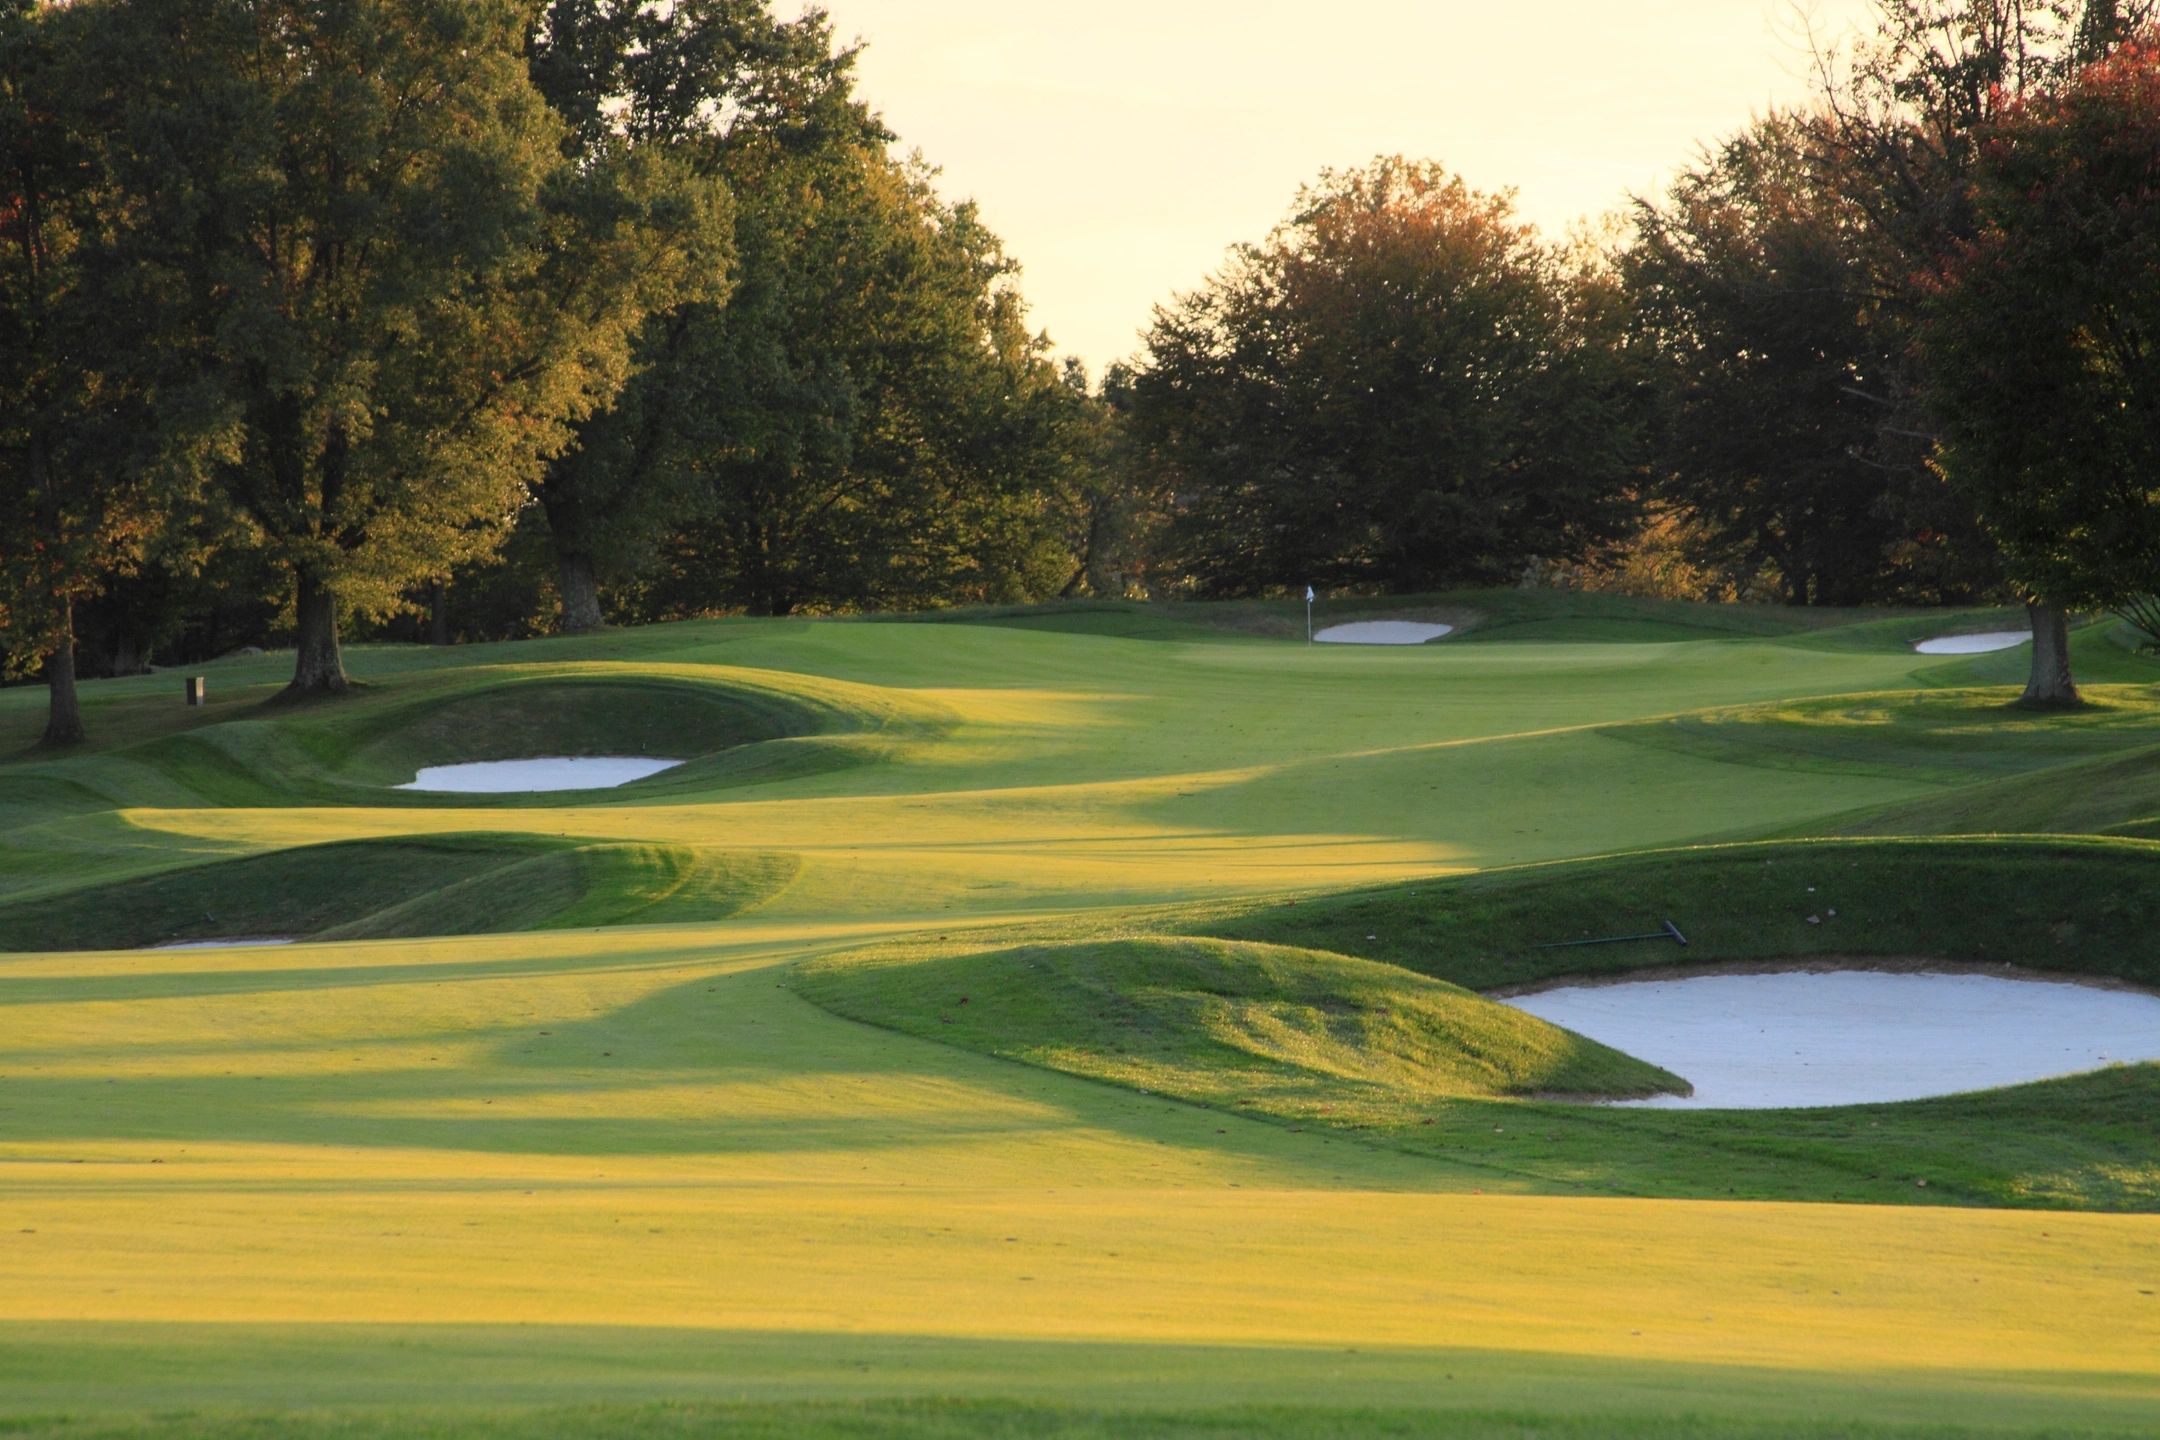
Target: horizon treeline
{"type": "Point", "coordinates": [477, 319]}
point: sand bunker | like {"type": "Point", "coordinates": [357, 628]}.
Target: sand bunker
{"type": "Point", "coordinates": [1382, 632]}
{"type": "Point", "coordinates": [228, 943]}
{"type": "Point", "coordinates": [517, 777]}
{"type": "Point", "coordinates": [1847, 1037]}
{"type": "Point", "coordinates": [1980, 644]}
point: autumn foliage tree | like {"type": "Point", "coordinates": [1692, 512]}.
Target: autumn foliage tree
{"type": "Point", "coordinates": [2042, 344]}
{"type": "Point", "coordinates": [1778, 445]}
{"type": "Point", "coordinates": [1401, 387]}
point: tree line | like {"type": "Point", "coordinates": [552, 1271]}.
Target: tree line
{"type": "Point", "coordinates": [1897, 347]}
{"type": "Point", "coordinates": [317, 314]}
{"type": "Point", "coordinates": [475, 318]}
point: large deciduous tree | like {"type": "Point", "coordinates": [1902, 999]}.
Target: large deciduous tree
{"type": "Point", "coordinates": [1401, 387]}
{"type": "Point", "coordinates": [1904, 130]}
{"type": "Point", "coordinates": [699, 80]}
{"type": "Point", "coordinates": [2042, 345]}
{"type": "Point", "coordinates": [397, 289]}
{"type": "Point", "coordinates": [80, 479]}
{"type": "Point", "coordinates": [880, 429]}
{"type": "Point", "coordinates": [1778, 446]}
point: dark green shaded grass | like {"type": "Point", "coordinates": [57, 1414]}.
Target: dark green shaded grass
{"type": "Point", "coordinates": [105, 1382]}
{"type": "Point", "coordinates": [419, 885]}
{"type": "Point", "coordinates": [1955, 736]}
{"type": "Point", "coordinates": [288, 893]}
{"type": "Point", "coordinates": [2080, 905]}
{"type": "Point", "coordinates": [356, 751]}
{"type": "Point", "coordinates": [2114, 795]}
{"type": "Point", "coordinates": [675, 719]}
{"type": "Point", "coordinates": [974, 1420]}
{"type": "Point", "coordinates": [1511, 614]}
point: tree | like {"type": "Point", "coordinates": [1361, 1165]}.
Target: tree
{"type": "Point", "coordinates": [79, 497]}
{"type": "Point", "coordinates": [1754, 283]}
{"type": "Point", "coordinates": [1903, 131]}
{"type": "Point", "coordinates": [1109, 505]}
{"type": "Point", "coordinates": [2042, 343]}
{"type": "Point", "coordinates": [1401, 387]}
{"type": "Point", "coordinates": [881, 429]}
{"type": "Point", "coordinates": [698, 80]}
{"type": "Point", "coordinates": [396, 289]}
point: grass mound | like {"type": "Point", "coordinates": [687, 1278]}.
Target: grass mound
{"type": "Point", "coordinates": [1344, 1012]}
{"type": "Point", "coordinates": [601, 716]}
{"type": "Point", "coordinates": [1289, 1032]}
{"type": "Point", "coordinates": [384, 889]}
{"type": "Point", "coordinates": [583, 886]}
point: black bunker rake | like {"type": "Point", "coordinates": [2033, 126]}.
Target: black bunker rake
{"type": "Point", "coordinates": [1670, 932]}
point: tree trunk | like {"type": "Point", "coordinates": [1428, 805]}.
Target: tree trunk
{"type": "Point", "coordinates": [439, 613]}
{"type": "Point", "coordinates": [319, 668]}
{"type": "Point", "coordinates": [580, 586]}
{"type": "Point", "coordinates": [127, 656]}
{"type": "Point", "coordinates": [2050, 685]}
{"type": "Point", "coordinates": [63, 719]}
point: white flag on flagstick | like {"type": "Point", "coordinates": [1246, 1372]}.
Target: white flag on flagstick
{"type": "Point", "coordinates": [1308, 595]}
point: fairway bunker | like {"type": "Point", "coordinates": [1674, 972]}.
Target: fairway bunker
{"type": "Point", "coordinates": [1852, 1037]}
{"type": "Point", "coordinates": [525, 777]}
{"type": "Point", "coordinates": [1382, 632]}
{"type": "Point", "coordinates": [243, 942]}
{"type": "Point", "coordinates": [1983, 643]}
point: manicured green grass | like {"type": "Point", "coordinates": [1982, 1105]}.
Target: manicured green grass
{"type": "Point", "coordinates": [1314, 1037]}
{"type": "Point", "coordinates": [1298, 1033]}
{"type": "Point", "coordinates": [554, 1131]}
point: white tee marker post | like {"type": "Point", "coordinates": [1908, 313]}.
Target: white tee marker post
{"type": "Point", "coordinates": [1308, 614]}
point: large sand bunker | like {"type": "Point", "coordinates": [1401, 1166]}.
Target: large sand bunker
{"type": "Point", "coordinates": [1848, 1037]}
{"type": "Point", "coordinates": [1980, 644]}
{"type": "Point", "coordinates": [518, 777]}
{"type": "Point", "coordinates": [1382, 632]}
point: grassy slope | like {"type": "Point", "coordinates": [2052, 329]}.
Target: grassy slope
{"type": "Point", "coordinates": [590, 1137]}
{"type": "Point", "coordinates": [1295, 1033]}
{"type": "Point", "coordinates": [2078, 906]}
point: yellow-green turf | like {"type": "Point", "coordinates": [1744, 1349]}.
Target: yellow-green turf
{"type": "Point", "coordinates": [633, 1164]}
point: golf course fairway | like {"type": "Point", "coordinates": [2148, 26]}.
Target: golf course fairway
{"type": "Point", "coordinates": [1066, 1022]}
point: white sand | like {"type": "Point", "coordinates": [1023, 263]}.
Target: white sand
{"type": "Point", "coordinates": [1382, 632]}
{"type": "Point", "coordinates": [1980, 644]}
{"type": "Point", "coordinates": [1846, 1037]}
{"type": "Point", "coordinates": [560, 772]}
{"type": "Point", "coordinates": [226, 944]}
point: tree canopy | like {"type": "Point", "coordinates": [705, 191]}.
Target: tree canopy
{"type": "Point", "coordinates": [1780, 439]}
{"type": "Point", "coordinates": [1400, 387]}
{"type": "Point", "coordinates": [398, 289]}
{"type": "Point", "coordinates": [2040, 337]}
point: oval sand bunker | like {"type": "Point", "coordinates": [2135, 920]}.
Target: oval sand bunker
{"type": "Point", "coordinates": [1980, 644]}
{"type": "Point", "coordinates": [1850, 1037]}
{"type": "Point", "coordinates": [518, 777]}
{"type": "Point", "coordinates": [1382, 632]}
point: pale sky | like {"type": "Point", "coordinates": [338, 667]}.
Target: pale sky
{"type": "Point", "coordinates": [1120, 147]}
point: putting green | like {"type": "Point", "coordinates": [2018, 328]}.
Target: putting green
{"type": "Point", "coordinates": [439, 1181]}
